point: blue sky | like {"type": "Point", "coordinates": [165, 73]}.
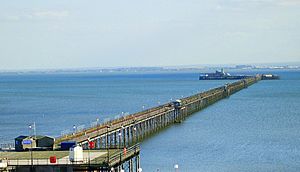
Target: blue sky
{"type": "Point", "coordinates": [88, 33]}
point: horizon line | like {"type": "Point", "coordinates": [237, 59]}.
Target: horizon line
{"type": "Point", "coordinates": [199, 66]}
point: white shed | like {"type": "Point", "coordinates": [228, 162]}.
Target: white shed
{"type": "Point", "coordinates": [76, 154]}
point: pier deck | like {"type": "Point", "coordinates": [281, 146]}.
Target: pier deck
{"type": "Point", "coordinates": [92, 159]}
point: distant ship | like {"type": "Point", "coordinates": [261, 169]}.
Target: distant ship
{"type": "Point", "coordinates": [221, 75]}
{"type": "Point", "coordinates": [269, 77]}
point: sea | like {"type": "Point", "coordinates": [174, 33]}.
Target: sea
{"type": "Point", "coordinates": [256, 129]}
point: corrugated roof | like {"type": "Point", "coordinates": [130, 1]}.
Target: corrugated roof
{"type": "Point", "coordinates": [30, 137]}
{"type": "Point", "coordinates": [21, 137]}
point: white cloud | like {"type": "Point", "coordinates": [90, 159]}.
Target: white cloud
{"type": "Point", "coordinates": [50, 14]}
{"type": "Point", "coordinates": [289, 2]}
{"type": "Point", "coordinates": [261, 2]}
{"type": "Point", "coordinates": [12, 17]}
{"type": "Point", "coordinates": [246, 5]}
{"type": "Point", "coordinates": [36, 15]}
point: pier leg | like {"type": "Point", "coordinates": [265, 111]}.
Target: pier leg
{"type": "Point", "coordinates": [115, 139]}
{"type": "Point", "coordinates": [128, 136]}
{"type": "Point", "coordinates": [130, 166]}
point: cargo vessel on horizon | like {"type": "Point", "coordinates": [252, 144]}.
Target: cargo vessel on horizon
{"type": "Point", "coordinates": [222, 75]}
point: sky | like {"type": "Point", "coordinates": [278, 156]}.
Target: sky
{"type": "Point", "coordinates": [38, 34]}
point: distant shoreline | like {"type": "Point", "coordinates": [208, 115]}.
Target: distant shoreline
{"type": "Point", "coordinates": [146, 70]}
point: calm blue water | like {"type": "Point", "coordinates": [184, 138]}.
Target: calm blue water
{"type": "Point", "coordinates": [257, 129]}
{"type": "Point", "coordinates": [57, 102]}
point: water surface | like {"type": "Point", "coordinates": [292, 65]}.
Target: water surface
{"type": "Point", "coordinates": [256, 129]}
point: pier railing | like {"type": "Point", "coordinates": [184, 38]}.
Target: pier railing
{"type": "Point", "coordinates": [7, 146]}
{"type": "Point", "coordinates": [115, 158]}
{"type": "Point", "coordinates": [123, 155]}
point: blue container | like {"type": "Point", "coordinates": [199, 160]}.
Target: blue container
{"type": "Point", "coordinates": [67, 145]}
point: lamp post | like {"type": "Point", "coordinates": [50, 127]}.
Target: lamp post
{"type": "Point", "coordinates": [97, 120]}
{"type": "Point", "coordinates": [32, 130]}
{"type": "Point", "coordinates": [31, 156]}
{"type": "Point", "coordinates": [74, 129]}
{"type": "Point", "coordinates": [30, 127]}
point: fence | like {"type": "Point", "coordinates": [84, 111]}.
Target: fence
{"type": "Point", "coordinates": [114, 158]}
{"type": "Point", "coordinates": [7, 146]}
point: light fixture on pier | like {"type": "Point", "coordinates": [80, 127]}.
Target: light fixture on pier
{"type": "Point", "coordinates": [74, 129]}
{"type": "Point", "coordinates": [32, 130]}
{"type": "Point", "coordinates": [30, 127]}
{"type": "Point", "coordinates": [176, 167]}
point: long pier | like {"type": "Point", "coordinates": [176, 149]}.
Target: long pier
{"type": "Point", "coordinates": [116, 142]}
{"type": "Point", "coordinates": [128, 130]}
